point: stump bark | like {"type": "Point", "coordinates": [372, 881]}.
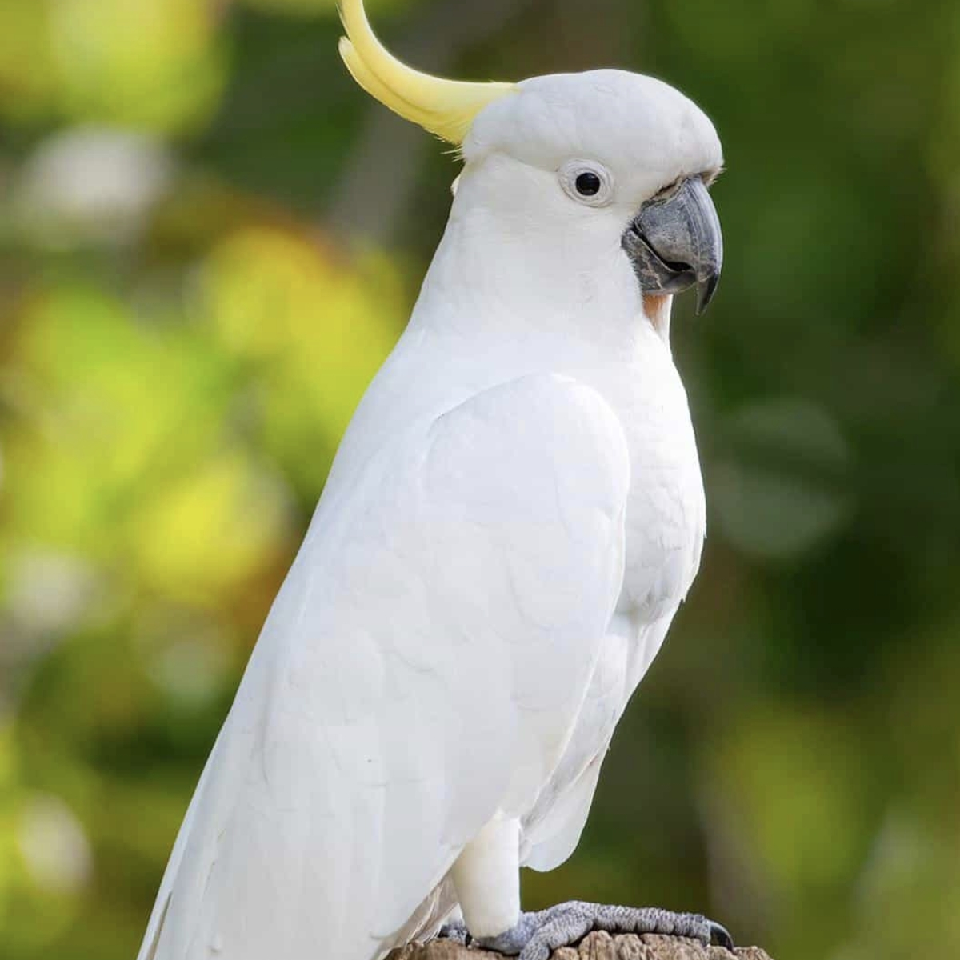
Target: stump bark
{"type": "Point", "coordinates": [595, 946]}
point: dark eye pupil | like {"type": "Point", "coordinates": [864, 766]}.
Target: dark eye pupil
{"type": "Point", "coordinates": [588, 184]}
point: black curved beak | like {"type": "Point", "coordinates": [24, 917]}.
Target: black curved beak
{"type": "Point", "coordinates": [675, 242]}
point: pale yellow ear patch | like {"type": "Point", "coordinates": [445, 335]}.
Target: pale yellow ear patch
{"type": "Point", "coordinates": [446, 108]}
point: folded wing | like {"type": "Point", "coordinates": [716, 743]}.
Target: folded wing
{"type": "Point", "coordinates": [420, 670]}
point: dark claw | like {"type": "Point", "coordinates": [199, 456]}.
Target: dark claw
{"type": "Point", "coordinates": [720, 936]}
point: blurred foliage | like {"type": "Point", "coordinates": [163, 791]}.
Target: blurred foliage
{"type": "Point", "coordinates": [183, 336]}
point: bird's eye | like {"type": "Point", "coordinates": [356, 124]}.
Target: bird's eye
{"type": "Point", "coordinates": [587, 182]}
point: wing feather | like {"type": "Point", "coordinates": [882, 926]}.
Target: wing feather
{"type": "Point", "coordinates": [420, 670]}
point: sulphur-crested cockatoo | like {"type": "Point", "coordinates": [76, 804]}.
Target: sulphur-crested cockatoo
{"type": "Point", "coordinates": [512, 520]}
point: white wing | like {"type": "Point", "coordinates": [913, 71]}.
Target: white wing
{"type": "Point", "coordinates": [421, 668]}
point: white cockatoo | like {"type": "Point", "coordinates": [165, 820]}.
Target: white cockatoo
{"type": "Point", "coordinates": [513, 517]}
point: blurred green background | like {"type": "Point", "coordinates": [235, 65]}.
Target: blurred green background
{"type": "Point", "coordinates": [209, 240]}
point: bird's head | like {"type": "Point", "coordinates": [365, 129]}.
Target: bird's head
{"type": "Point", "coordinates": [609, 161]}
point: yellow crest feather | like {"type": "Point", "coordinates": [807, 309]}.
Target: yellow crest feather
{"type": "Point", "coordinates": [444, 107]}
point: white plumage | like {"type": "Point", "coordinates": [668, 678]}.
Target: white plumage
{"type": "Point", "coordinates": [513, 517]}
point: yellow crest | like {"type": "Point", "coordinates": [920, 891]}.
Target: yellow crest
{"type": "Point", "coordinates": [444, 107]}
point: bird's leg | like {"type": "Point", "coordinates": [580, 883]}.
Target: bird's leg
{"type": "Point", "coordinates": [486, 878]}
{"type": "Point", "coordinates": [538, 934]}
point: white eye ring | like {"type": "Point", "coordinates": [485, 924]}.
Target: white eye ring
{"type": "Point", "coordinates": [587, 182]}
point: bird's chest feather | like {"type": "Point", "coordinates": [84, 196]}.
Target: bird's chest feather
{"type": "Point", "coordinates": [666, 514]}
{"type": "Point", "coordinates": [665, 525]}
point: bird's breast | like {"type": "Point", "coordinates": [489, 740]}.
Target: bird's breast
{"type": "Point", "coordinates": [666, 513]}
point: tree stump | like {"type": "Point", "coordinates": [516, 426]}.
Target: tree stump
{"type": "Point", "coordinates": [594, 946]}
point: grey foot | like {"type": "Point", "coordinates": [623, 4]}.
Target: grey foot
{"type": "Point", "coordinates": [456, 930]}
{"type": "Point", "coordinates": [538, 934]}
